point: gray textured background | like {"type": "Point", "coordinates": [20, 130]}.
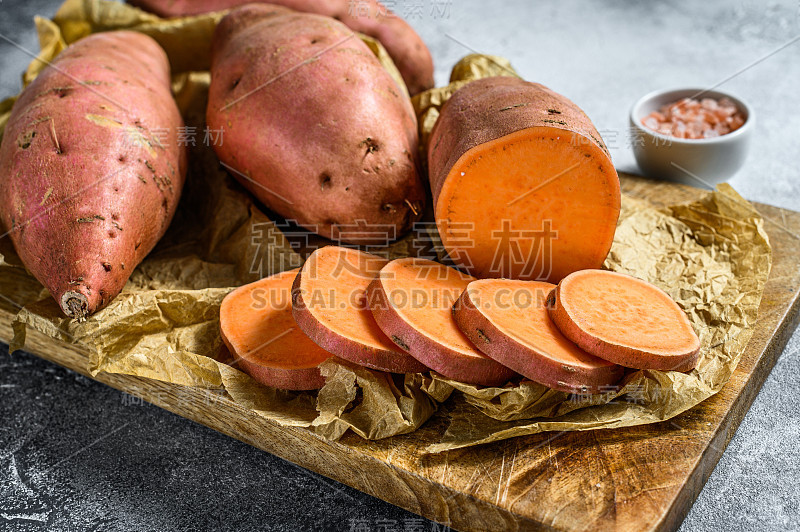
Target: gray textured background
{"type": "Point", "coordinates": [76, 455]}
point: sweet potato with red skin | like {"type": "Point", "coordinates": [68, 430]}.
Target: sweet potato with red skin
{"type": "Point", "coordinates": [523, 186]}
{"type": "Point", "coordinates": [90, 167]}
{"type": "Point", "coordinates": [259, 330]}
{"type": "Point", "coordinates": [412, 300]}
{"type": "Point", "coordinates": [314, 126]}
{"type": "Point", "coordinates": [405, 47]}
{"type": "Point", "coordinates": [624, 320]}
{"type": "Point", "coordinates": [508, 321]}
{"type": "Point", "coordinates": [330, 306]}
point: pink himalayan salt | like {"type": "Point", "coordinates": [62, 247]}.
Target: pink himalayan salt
{"type": "Point", "coordinates": [695, 119]}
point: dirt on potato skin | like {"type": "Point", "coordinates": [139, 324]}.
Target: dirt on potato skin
{"type": "Point", "coordinates": [90, 168]}
{"type": "Point", "coordinates": [320, 132]}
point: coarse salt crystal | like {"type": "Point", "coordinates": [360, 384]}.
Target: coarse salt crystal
{"type": "Point", "coordinates": [696, 119]}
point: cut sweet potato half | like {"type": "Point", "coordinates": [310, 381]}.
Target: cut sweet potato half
{"type": "Point", "coordinates": [523, 186]}
{"type": "Point", "coordinates": [624, 320]}
{"type": "Point", "coordinates": [509, 322]}
{"type": "Point", "coordinates": [330, 306]}
{"type": "Point", "coordinates": [412, 301]}
{"type": "Point", "coordinates": [265, 342]}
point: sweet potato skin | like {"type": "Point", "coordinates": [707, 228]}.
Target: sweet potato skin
{"type": "Point", "coordinates": [314, 126]}
{"type": "Point", "coordinates": [284, 379]}
{"type": "Point", "coordinates": [375, 358]}
{"type": "Point", "coordinates": [483, 372]}
{"type": "Point", "coordinates": [511, 353]}
{"type": "Point", "coordinates": [492, 121]}
{"type": "Point", "coordinates": [453, 357]}
{"type": "Point", "coordinates": [91, 170]}
{"type": "Point", "coordinates": [370, 17]}
{"type": "Point", "coordinates": [277, 287]}
{"type": "Point", "coordinates": [490, 108]}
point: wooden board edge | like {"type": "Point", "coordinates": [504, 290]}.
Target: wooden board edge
{"type": "Point", "coordinates": [423, 496]}
{"type": "Point", "coordinates": [426, 496]}
{"type": "Point", "coordinates": [684, 500]}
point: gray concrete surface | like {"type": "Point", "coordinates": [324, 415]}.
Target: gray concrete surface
{"type": "Point", "coordinates": [76, 455]}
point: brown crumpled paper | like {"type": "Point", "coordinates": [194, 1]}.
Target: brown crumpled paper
{"type": "Point", "coordinates": [165, 324]}
{"type": "Point", "coordinates": [355, 398]}
{"type": "Point", "coordinates": [712, 256]}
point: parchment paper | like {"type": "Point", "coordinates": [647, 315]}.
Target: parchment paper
{"type": "Point", "coordinates": [165, 324]}
{"type": "Point", "coordinates": [712, 256]}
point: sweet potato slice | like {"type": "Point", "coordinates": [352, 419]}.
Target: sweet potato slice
{"type": "Point", "coordinates": [260, 333]}
{"type": "Point", "coordinates": [523, 186]}
{"type": "Point", "coordinates": [624, 320]}
{"type": "Point", "coordinates": [508, 321]}
{"type": "Point", "coordinates": [331, 308]}
{"type": "Point", "coordinates": [412, 301]}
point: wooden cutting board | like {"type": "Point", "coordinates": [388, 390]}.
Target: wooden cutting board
{"type": "Point", "coordinates": [638, 478]}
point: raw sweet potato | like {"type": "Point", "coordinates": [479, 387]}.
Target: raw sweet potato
{"type": "Point", "coordinates": [260, 332]}
{"type": "Point", "coordinates": [523, 186]}
{"type": "Point", "coordinates": [370, 17]}
{"type": "Point", "coordinates": [508, 321]}
{"type": "Point", "coordinates": [331, 308]}
{"type": "Point", "coordinates": [624, 320]}
{"type": "Point", "coordinates": [90, 167]}
{"type": "Point", "coordinates": [412, 301]}
{"type": "Point", "coordinates": [314, 126]}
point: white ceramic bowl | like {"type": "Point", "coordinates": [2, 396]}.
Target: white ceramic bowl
{"type": "Point", "coordinates": [696, 162]}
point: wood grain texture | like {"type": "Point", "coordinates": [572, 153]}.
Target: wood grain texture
{"type": "Point", "coordinates": [637, 478]}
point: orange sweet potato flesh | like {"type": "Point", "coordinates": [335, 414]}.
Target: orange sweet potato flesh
{"type": "Point", "coordinates": [523, 186]}
{"type": "Point", "coordinates": [412, 301]}
{"type": "Point", "coordinates": [624, 320]}
{"type": "Point", "coordinates": [330, 306]}
{"type": "Point", "coordinates": [508, 321]}
{"type": "Point", "coordinates": [259, 330]}
{"type": "Point", "coordinates": [91, 169]}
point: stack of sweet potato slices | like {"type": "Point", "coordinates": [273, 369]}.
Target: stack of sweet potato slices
{"type": "Point", "coordinates": [411, 315]}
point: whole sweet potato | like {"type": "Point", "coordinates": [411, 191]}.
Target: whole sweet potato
{"type": "Point", "coordinates": [90, 167]}
{"type": "Point", "coordinates": [313, 125]}
{"type": "Point", "coordinates": [370, 17]}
